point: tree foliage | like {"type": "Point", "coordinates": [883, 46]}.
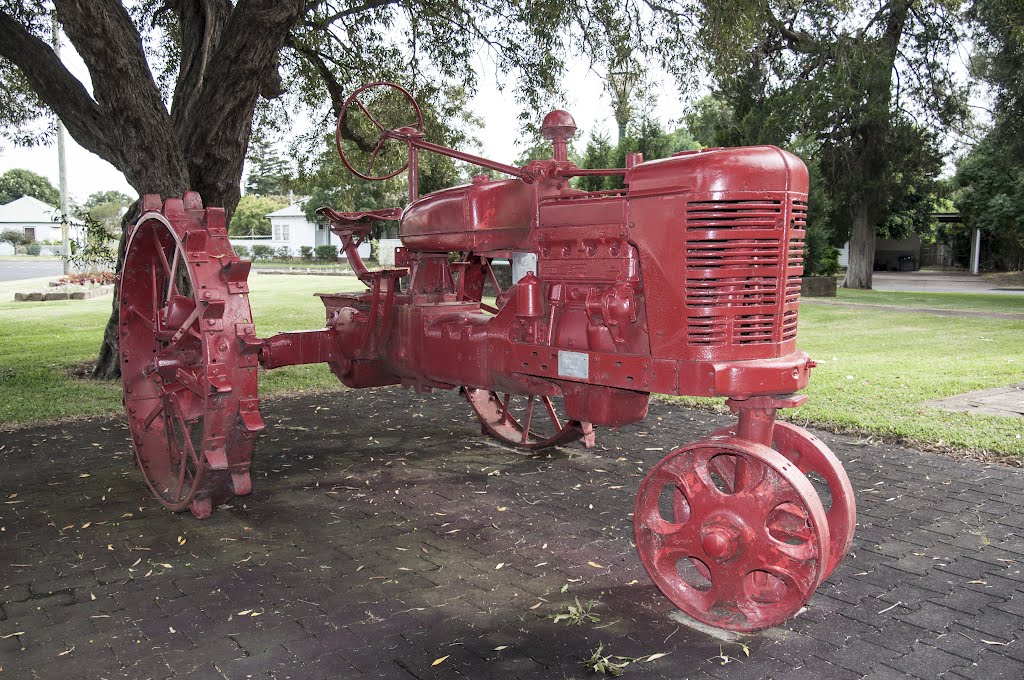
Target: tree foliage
{"type": "Point", "coordinates": [646, 136]}
{"type": "Point", "coordinates": [250, 217]}
{"type": "Point", "coordinates": [990, 180]}
{"type": "Point", "coordinates": [106, 207]}
{"type": "Point", "coordinates": [18, 182]}
{"type": "Point", "coordinates": [16, 237]}
{"type": "Point", "coordinates": [999, 60]}
{"type": "Point", "coordinates": [861, 82]}
{"type": "Point", "coordinates": [269, 173]}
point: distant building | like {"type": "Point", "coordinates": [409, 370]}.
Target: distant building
{"type": "Point", "coordinates": [891, 255]}
{"type": "Point", "coordinates": [36, 219]}
{"type": "Point", "coordinates": [289, 227]}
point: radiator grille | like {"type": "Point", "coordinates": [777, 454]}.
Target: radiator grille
{"type": "Point", "coordinates": [706, 330]}
{"type": "Point", "coordinates": [717, 215]}
{"type": "Point", "coordinates": [743, 264]}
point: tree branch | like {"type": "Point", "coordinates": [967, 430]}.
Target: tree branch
{"type": "Point", "coordinates": [58, 89]}
{"type": "Point", "coordinates": [350, 11]}
{"type": "Point", "coordinates": [200, 24]}
{"type": "Point", "coordinates": [214, 132]}
{"type": "Point", "coordinates": [123, 86]}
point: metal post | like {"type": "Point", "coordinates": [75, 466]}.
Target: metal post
{"type": "Point", "coordinates": [65, 238]}
{"type": "Point", "coordinates": [976, 252]}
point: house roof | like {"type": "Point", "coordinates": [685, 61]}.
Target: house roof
{"type": "Point", "coordinates": [293, 210]}
{"type": "Point", "coordinates": [29, 210]}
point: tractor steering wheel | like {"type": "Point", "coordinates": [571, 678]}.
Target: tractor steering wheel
{"type": "Point", "coordinates": [374, 140]}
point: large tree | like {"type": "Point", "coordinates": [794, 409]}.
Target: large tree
{"type": "Point", "coordinates": [176, 84]}
{"type": "Point", "coordinates": [862, 79]}
{"type": "Point", "coordinates": [990, 180]}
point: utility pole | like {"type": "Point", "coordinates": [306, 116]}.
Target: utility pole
{"type": "Point", "coordinates": [65, 237]}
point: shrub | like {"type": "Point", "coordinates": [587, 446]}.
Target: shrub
{"type": "Point", "coordinates": [829, 265]}
{"type": "Point", "coordinates": [15, 237]}
{"type": "Point", "coordinates": [306, 252]}
{"type": "Point", "coordinates": [262, 252]}
{"type": "Point", "coordinates": [243, 252]}
{"type": "Point", "coordinates": [327, 253]}
{"type": "Point", "coordinates": [88, 277]}
{"type": "Point", "coordinates": [284, 253]}
{"type": "Point", "coordinates": [33, 248]}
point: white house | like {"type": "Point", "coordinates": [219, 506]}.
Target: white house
{"type": "Point", "coordinates": [289, 227]}
{"type": "Point", "coordinates": [36, 219]}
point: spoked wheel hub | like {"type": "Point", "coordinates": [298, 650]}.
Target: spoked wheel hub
{"type": "Point", "coordinates": [828, 477]}
{"type": "Point", "coordinates": [732, 533]}
{"type": "Point", "coordinates": [188, 355]}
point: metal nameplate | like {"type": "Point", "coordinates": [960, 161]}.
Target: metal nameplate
{"type": "Point", "coordinates": [574, 364]}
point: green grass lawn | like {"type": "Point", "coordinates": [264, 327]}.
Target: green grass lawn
{"type": "Point", "coordinates": [41, 341]}
{"type": "Point", "coordinates": [875, 367]}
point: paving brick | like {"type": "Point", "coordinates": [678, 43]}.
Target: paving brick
{"type": "Point", "coordinates": [927, 662]}
{"type": "Point", "coordinates": [315, 551]}
{"type": "Point", "coordinates": [991, 665]}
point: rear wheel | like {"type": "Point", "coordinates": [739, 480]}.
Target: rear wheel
{"type": "Point", "coordinates": [188, 355]}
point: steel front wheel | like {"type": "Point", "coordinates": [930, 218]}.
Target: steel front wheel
{"type": "Point", "coordinates": [732, 534]}
{"type": "Point", "coordinates": [188, 355]}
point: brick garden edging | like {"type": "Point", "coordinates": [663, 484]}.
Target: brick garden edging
{"type": "Point", "coordinates": [86, 294]}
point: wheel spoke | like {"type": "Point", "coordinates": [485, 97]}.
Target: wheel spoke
{"type": "Point", "coordinates": [697, 487]}
{"type": "Point", "coordinates": [506, 417]}
{"type": "Point", "coordinates": [172, 283]}
{"type": "Point", "coordinates": [551, 413]}
{"type": "Point", "coordinates": [143, 319]}
{"type": "Point", "coordinates": [160, 250]}
{"type": "Point", "coordinates": [157, 410]}
{"type": "Point", "coordinates": [182, 330]}
{"type": "Point", "coordinates": [156, 298]}
{"type": "Point", "coordinates": [181, 480]}
{"type": "Point", "coordinates": [370, 115]}
{"type": "Point", "coordinates": [193, 382]}
{"type": "Point", "coordinates": [681, 539]}
{"type": "Point", "coordinates": [528, 420]}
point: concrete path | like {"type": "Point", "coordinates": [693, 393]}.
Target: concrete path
{"type": "Point", "coordinates": [936, 282]}
{"type": "Point", "coordinates": [385, 534]}
{"type": "Point", "coordinates": [29, 268]}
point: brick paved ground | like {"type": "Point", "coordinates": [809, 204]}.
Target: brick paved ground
{"type": "Point", "coordinates": [371, 547]}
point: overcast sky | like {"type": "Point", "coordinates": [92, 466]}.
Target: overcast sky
{"type": "Point", "coordinates": [586, 101]}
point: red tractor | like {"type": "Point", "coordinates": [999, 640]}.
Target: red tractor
{"type": "Point", "coordinates": [685, 282]}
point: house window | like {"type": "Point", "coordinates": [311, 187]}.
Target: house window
{"type": "Point", "coordinates": [280, 232]}
{"type": "Point", "coordinates": [30, 232]}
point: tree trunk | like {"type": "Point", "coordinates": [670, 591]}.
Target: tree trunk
{"type": "Point", "coordinates": [862, 247]}
{"type": "Point", "coordinates": [229, 61]}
